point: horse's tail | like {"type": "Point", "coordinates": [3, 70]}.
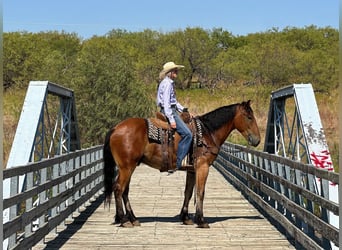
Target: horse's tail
{"type": "Point", "coordinates": [109, 169]}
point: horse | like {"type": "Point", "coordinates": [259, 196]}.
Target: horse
{"type": "Point", "coordinates": [127, 145]}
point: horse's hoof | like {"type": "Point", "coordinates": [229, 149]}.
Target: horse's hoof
{"type": "Point", "coordinates": [136, 223]}
{"type": "Point", "coordinates": [127, 224]}
{"type": "Point", "coordinates": [204, 225]}
{"type": "Point", "coordinates": [117, 220]}
{"type": "Point", "coordinates": [188, 222]}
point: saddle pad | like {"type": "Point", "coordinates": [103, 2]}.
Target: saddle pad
{"type": "Point", "coordinates": [198, 134]}
{"type": "Point", "coordinates": [154, 133]}
{"type": "Point", "coordinates": [157, 134]}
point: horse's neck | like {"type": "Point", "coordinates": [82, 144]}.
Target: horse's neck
{"type": "Point", "coordinates": [221, 134]}
{"type": "Point", "coordinates": [220, 123]}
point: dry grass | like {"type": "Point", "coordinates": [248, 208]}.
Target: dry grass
{"type": "Point", "coordinates": [13, 103]}
{"type": "Point", "coordinates": [328, 105]}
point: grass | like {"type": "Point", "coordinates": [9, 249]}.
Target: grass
{"type": "Point", "coordinates": [13, 104]}
{"type": "Point", "coordinates": [200, 101]}
{"type": "Point", "coordinates": [328, 105]}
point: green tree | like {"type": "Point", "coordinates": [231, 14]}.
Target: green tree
{"type": "Point", "coordinates": [276, 63]}
{"type": "Point", "coordinates": [22, 55]}
{"type": "Point", "coordinates": [107, 90]}
{"type": "Point", "coordinates": [57, 65]}
{"type": "Point", "coordinates": [197, 50]}
{"type": "Point", "coordinates": [317, 56]}
{"type": "Point", "coordinates": [42, 56]}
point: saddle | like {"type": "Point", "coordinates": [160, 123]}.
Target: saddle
{"type": "Point", "coordinates": [159, 131]}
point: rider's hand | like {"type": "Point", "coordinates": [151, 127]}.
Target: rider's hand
{"type": "Point", "coordinates": [173, 125]}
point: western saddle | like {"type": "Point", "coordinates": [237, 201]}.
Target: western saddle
{"type": "Point", "coordinates": [159, 131]}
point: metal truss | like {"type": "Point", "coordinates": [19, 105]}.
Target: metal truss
{"type": "Point", "coordinates": [47, 127]}
{"type": "Point", "coordinates": [294, 131]}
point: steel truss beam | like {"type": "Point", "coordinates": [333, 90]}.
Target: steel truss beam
{"type": "Point", "coordinates": [294, 131]}
{"type": "Point", "coordinates": [47, 127]}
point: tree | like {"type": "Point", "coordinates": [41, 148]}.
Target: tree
{"type": "Point", "coordinates": [197, 49]}
{"type": "Point", "coordinates": [42, 56]}
{"type": "Point", "coordinates": [107, 90]}
{"type": "Point", "coordinates": [21, 57]}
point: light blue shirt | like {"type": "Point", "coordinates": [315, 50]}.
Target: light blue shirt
{"type": "Point", "coordinates": [166, 97]}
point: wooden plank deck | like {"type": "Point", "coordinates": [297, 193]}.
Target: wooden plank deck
{"type": "Point", "coordinates": [156, 199]}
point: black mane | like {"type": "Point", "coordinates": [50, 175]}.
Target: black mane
{"type": "Point", "coordinates": [218, 117]}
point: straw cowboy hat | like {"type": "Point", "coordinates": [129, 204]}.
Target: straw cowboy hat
{"type": "Point", "coordinates": [167, 67]}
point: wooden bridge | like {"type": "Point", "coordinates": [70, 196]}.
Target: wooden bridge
{"type": "Point", "coordinates": [157, 198]}
{"type": "Point", "coordinates": [70, 212]}
{"type": "Point", "coordinates": [253, 199]}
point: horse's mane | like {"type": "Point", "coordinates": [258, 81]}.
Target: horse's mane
{"type": "Point", "coordinates": [217, 118]}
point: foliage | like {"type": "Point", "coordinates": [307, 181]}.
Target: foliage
{"type": "Point", "coordinates": [41, 56]}
{"type": "Point", "coordinates": [115, 76]}
{"type": "Point", "coordinates": [106, 88]}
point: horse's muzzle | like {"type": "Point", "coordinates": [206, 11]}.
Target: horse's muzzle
{"type": "Point", "coordinates": [253, 140]}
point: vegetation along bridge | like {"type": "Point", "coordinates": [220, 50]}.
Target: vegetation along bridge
{"type": "Point", "coordinates": [276, 199]}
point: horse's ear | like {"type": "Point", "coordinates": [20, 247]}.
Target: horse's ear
{"type": "Point", "coordinates": [246, 104]}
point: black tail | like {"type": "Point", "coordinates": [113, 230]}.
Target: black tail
{"type": "Point", "coordinates": [109, 170]}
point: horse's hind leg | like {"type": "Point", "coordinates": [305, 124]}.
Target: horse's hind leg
{"type": "Point", "coordinates": [189, 187]}
{"type": "Point", "coordinates": [120, 213]}
{"type": "Point", "coordinates": [129, 211]}
{"type": "Point", "coordinates": [121, 186]}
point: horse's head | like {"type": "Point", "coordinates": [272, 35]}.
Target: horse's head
{"type": "Point", "coordinates": [246, 124]}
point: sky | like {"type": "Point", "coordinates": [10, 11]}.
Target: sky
{"type": "Point", "coordinates": [87, 18]}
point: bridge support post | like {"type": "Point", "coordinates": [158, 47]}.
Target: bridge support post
{"type": "Point", "coordinates": [301, 137]}
{"type": "Point", "coordinates": [41, 135]}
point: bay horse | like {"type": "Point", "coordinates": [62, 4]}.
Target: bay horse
{"type": "Point", "coordinates": [127, 145]}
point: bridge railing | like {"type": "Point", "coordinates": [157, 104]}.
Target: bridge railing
{"type": "Point", "coordinates": [279, 187]}
{"type": "Point", "coordinates": [54, 189]}
{"type": "Point", "coordinates": [57, 187]}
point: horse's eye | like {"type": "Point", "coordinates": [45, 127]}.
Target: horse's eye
{"type": "Point", "coordinates": [249, 117]}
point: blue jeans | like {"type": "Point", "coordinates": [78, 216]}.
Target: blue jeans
{"type": "Point", "coordinates": [186, 138]}
{"type": "Point", "coordinates": [185, 134]}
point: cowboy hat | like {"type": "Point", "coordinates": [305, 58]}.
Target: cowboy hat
{"type": "Point", "coordinates": [167, 67]}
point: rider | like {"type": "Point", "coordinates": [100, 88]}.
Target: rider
{"type": "Point", "coordinates": [166, 100]}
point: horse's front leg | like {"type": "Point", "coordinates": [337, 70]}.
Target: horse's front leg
{"type": "Point", "coordinates": [201, 178]}
{"type": "Point", "coordinates": [189, 187]}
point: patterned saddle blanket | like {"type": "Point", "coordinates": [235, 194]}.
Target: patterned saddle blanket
{"type": "Point", "coordinates": [158, 130]}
